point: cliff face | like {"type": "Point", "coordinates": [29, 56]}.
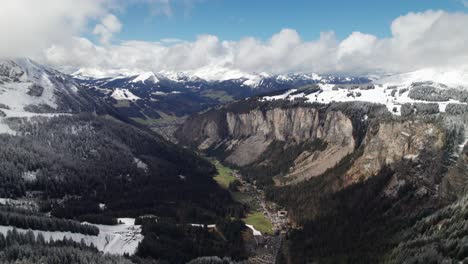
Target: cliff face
{"type": "Point", "coordinates": [346, 165]}
{"type": "Point", "coordinates": [247, 136]}
{"type": "Point", "coordinates": [390, 142]}
{"type": "Point", "coordinates": [246, 139]}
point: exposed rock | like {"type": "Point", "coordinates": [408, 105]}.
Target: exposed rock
{"type": "Point", "coordinates": [35, 90]}
{"type": "Point", "coordinates": [249, 134]}
{"type": "Point", "coordinates": [392, 141]}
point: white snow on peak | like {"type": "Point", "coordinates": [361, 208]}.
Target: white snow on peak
{"type": "Point", "coordinates": [451, 77]}
{"type": "Point", "coordinates": [210, 73]}
{"type": "Point", "coordinates": [172, 75]}
{"type": "Point", "coordinates": [283, 78]}
{"type": "Point", "coordinates": [124, 94]}
{"type": "Point", "coordinates": [94, 73]}
{"type": "Point", "coordinates": [315, 76]}
{"type": "Point", "coordinates": [146, 77]}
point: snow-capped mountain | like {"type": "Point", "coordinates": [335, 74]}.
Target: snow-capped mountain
{"type": "Point", "coordinates": [211, 74]}
{"type": "Point", "coordinates": [149, 95]}
{"type": "Point", "coordinates": [430, 90]}
{"type": "Point", "coordinates": [30, 89]}
{"type": "Point", "coordinates": [449, 77]}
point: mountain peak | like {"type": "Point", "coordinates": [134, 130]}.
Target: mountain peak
{"type": "Point", "coordinates": [28, 88]}
{"type": "Point", "coordinates": [146, 77]}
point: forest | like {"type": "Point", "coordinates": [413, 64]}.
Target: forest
{"type": "Point", "coordinates": [182, 243]}
{"type": "Point", "coordinates": [26, 247]}
{"type": "Point", "coordinates": [96, 169]}
{"type": "Point", "coordinates": [77, 162]}
{"type": "Point", "coordinates": [26, 219]}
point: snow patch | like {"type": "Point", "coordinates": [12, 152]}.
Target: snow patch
{"type": "Point", "coordinates": [450, 77]}
{"type": "Point", "coordinates": [5, 129]}
{"type": "Point", "coordinates": [124, 94]}
{"type": "Point", "coordinates": [255, 231]}
{"type": "Point", "coordinates": [140, 164]}
{"type": "Point", "coordinates": [380, 94]}
{"type": "Point", "coordinates": [115, 239]}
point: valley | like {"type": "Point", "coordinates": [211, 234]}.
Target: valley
{"type": "Point", "coordinates": [233, 132]}
{"type": "Point", "coordinates": [271, 178]}
{"type": "Point", "coordinates": [267, 222]}
{"type": "Point", "coordinates": [320, 162]}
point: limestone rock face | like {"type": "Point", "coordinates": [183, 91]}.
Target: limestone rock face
{"type": "Point", "coordinates": [245, 138]}
{"type": "Point", "coordinates": [256, 130]}
{"type": "Point", "coordinates": [249, 134]}
{"type": "Point", "coordinates": [393, 141]}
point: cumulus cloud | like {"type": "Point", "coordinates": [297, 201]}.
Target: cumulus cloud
{"type": "Point", "coordinates": [55, 36]}
{"type": "Point", "coordinates": [419, 40]}
{"type": "Point", "coordinates": [109, 25]}
{"type": "Point", "coordinates": [28, 27]}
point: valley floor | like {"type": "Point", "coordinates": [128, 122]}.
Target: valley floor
{"type": "Point", "coordinates": [263, 217]}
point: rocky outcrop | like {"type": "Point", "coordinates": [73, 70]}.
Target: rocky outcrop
{"type": "Point", "coordinates": [246, 136]}
{"type": "Point", "coordinates": [392, 141]}
{"type": "Point", "coordinates": [245, 139]}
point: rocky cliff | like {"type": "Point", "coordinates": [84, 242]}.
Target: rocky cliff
{"type": "Point", "coordinates": [347, 172]}
{"type": "Point", "coordinates": [246, 138]}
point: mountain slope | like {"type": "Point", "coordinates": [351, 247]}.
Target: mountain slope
{"type": "Point", "coordinates": [162, 100]}
{"type": "Point", "coordinates": [27, 87]}
{"type": "Point", "coordinates": [62, 145]}
{"type": "Point", "coordinates": [352, 175]}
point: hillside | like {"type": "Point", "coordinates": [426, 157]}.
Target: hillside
{"type": "Point", "coordinates": [163, 100]}
{"type": "Point", "coordinates": [352, 175]}
{"type": "Point", "coordinates": [69, 157]}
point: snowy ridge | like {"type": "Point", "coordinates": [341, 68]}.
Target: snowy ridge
{"type": "Point", "coordinates": [210, 75]}
{"type": "Point", "coordinates": [146, 77]}
{"type": "Point", "coordinates": [452, 78]}
{"type": "Point", "coordinates": [393, 91]}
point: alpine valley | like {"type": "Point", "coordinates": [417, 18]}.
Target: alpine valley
{"type": "Point", "coordinates": [222, 166]}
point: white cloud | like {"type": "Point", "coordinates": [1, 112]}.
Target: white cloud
{"type": "Point", "coordinates": [109, 25]}
{"type": "Point", "coordinates": [52, 35]}
{"type": "Point", "coordinates": [427, 39]}
{"type": "Point", "coordinates": [464, 3]}
{"type": "Point", "coordinates": [28, 27]}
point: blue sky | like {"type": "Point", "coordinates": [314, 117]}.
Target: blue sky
{"type": "Point", "coordinates": [234, 19]}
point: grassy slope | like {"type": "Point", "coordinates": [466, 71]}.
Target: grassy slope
{"type": "Point", "coordinates": [255, 217]}
{"type": "Point", "coordinates": [224, 176]}
{"type": "Point", "coordinates": [260, 222]}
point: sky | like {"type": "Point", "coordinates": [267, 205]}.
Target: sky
{"type": "Point", "coordinates": [233, 20]}
{"type": "Point", "coordinates": [359, 36]}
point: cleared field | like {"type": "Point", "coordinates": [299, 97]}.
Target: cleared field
{"type": "Point", "coordinates": [260, 222]}
{"type": "Point", "coordinates": [225, 175]}
{"type": "Point", "coordinates": [242, 198]}
{"type": "Point", "coordinates": [255, 217]}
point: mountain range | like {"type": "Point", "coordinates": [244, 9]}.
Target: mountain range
{"type": "Point", "coordinates": [377, 163]}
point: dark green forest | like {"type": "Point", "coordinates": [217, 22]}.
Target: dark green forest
{"type": "Point", "coordinates": [94, 160]}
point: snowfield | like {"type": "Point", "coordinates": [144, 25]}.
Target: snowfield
{"type": "Point", "coordinates": [391, 92]}
{"type": "Point", "coordinates": [124, 94]}
{"type": "Point", "coordinates": [118, 239]}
